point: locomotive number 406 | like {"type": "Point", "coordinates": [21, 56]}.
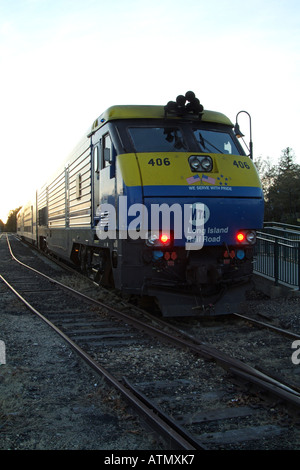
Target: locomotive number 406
{"type": "Point", "coordinates": [240, 164]}
{"type": "Point", "coordinates": [159, 161]}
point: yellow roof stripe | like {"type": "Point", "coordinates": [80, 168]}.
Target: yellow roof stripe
{"type": "Point", "coordinates": [150, 112]}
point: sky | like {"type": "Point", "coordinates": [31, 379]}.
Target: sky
{"type": "Point", "coordinates": [63, 62]}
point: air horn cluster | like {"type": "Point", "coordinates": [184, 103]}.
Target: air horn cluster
{"type": "Point", "coordinates": [187, 104]}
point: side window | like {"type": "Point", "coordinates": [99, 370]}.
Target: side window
{"type": "Point", "coordinates": [96, 159]}
{"type": "Point", "coordinates": [106, 151]}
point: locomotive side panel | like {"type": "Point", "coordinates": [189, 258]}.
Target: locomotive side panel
{"type": "Point", "coordinates": [64, 204]}
{"type": "Point", "coordinates": [79, 197]}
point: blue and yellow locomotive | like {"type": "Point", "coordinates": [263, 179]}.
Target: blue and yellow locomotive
{"type": "Point", "coordinates": [158, 201]}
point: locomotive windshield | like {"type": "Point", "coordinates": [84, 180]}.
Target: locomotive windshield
{"type": "Point", "coordinates": [215, 142]}
{"type": "Point", "coordinates": [183, 138]}
{"type": "Point", "coordinates": [157, 139]}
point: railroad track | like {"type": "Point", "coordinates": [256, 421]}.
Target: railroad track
{"type": "Point", "coordinates": [265, 346]}
{"type": "Point", "coordinates": [182, 392]}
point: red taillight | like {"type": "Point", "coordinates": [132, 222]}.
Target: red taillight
{"type": "Point", "coordinates": [155, 240]}
{"type": "Point", "coordinates": [240, 237]}
{"type": "Point", "coordinates": [164, 238]}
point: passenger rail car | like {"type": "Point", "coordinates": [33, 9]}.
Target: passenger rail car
{"type": "Point", "coordinates": [26, 222]}
{"type": "Point", "coordinates": [158, 201]}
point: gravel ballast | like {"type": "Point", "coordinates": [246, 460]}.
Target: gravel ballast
{"type": "Point", "coordinates": [50, 399]}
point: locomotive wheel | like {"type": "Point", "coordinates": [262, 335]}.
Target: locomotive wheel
{"type": "Point", "coordinates": [96, 265]}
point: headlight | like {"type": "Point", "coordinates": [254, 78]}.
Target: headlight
{"type": "Point", "coordinates": [200, 163]}
{"type": "Point", "coordinates": [154, 240]}
{"type": "Point", "coordinates": [251, 237]}
{"type": "Point", "coordinates": [151, 240]}
{"type": "Point", "coordinates": [206, 164]}
{"type": "Point", "coordinates": [195, 165]}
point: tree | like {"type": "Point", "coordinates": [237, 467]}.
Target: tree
{"type": "Point", "coordinates": [267, 173]}
{"type": "Point", "coordinates": [286, 161]}
{"type": "Point", "coordinates": [282, 195]}
{"type": "Point", "coordinates": [2, 225]}
{"type": "Point", "coordinates": [11, 224]}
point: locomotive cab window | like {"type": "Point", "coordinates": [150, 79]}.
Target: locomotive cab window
{"type": "Point", "coordinates": [96, 159]}
{"type": "Point", "coordinates": [107, 151]}
{"type": "Point", "coordinates": [214, 141]}
{"type": "Point", "coordinates": [157, 139]}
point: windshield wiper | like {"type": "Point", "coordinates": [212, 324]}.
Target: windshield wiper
{"type": "Point", "coordinates": [203, 141]}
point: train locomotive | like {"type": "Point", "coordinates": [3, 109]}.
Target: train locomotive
{"type": "Point", "coordinates": [158, 201]}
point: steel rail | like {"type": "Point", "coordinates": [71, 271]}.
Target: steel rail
{"type": "Point", "coordinates": [229, 363]}
{"type": "Point", "coordinates": [141, 396]}
{"type": "Point", "coordinates": [281, 331]}
{"type": "Point", "coordinates": [177, 440]}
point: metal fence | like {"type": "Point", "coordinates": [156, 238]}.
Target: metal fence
{"type": "Point", "coordinates": [278, 257]}
{"type": "Point", "coordinates": [292, 232]}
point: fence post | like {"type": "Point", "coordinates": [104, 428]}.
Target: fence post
{"type": "Point", "coordinates": [276, 261]}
